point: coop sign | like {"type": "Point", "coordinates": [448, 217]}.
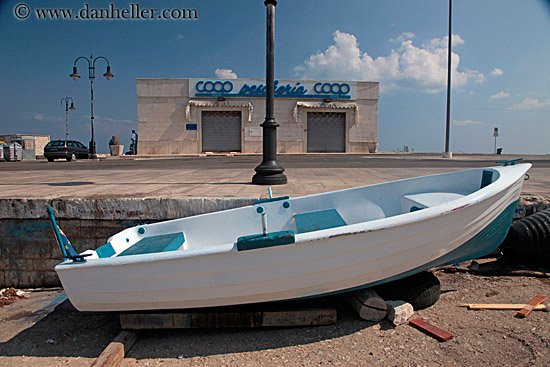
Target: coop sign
{"type": "Point", "coordinates": [282, 89]}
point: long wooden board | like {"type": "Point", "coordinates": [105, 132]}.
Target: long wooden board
{"type": "Point", "coordinates": [501, 306]}
{"type": "Point", "coordinates": [526, 310]}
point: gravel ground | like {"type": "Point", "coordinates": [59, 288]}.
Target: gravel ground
{"type": "Point", "coordinates": [494, 338]}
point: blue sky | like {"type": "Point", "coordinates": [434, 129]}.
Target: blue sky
{"type": "Point", "coordinates": [501, 73]}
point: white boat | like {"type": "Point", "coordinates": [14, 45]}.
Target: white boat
{"type": "Point", "coordinates": [283, 248]}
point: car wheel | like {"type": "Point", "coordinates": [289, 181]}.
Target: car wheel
{"type": "Point", "coordinates": [50, 159]}
{"type": "Point", "coordinates": [72, 158]}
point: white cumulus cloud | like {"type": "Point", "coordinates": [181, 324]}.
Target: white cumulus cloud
{"type": "Point", "coordinates": [443, 42]}
{"type": "Point", "coordinates": [530, 104]}
{"type": "Point", "coordinates": [497, 72]}
{"type": "Point", "coordinates": [225, 74]}
{"type": "Point", "coordinates": [405, 36]}
{"type": "Point", "coordinates": [407, 67]}
{"type": "Point", "coordinates": [500, 95]}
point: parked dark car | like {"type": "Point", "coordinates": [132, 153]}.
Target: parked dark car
{"type": "Point", "coordinates": [70, 150]}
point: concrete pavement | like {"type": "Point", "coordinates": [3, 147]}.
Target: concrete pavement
{"type": "Point", "coordinates": [231, 177]}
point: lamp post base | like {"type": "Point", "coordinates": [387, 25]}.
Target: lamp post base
{"type": "Point", "coordinates": [93, 154]}
{"type": "Point", "coordinates": [269, 173]}
{"type": "Point", "coordinates": [276, 179]}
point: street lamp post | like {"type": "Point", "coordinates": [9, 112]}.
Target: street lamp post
{"type": "Point", "coordinates": [448, 153]}
{"type": "Point", "coordinates": [91, 76]}
{"type": "Point", "coordinates": [270, 172]}
{"type": "Point", "coordinates": [67, 108]}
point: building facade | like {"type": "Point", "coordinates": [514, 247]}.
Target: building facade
{"type": "Point", "coordinates": [185, 116]}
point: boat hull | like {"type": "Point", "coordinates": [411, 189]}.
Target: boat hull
{"type": "Point", "coordinates": [356, 256]}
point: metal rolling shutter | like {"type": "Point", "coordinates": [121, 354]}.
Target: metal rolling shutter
{"type": "Point", "coordinates": [221, 131]}
{"type": "Point", "coordinates": [326, 132]}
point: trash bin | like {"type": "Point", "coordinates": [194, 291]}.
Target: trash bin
{"type": "Point", "coordinates": [499, 150]}
{"type": "Point", "coordinates": [13, 152]}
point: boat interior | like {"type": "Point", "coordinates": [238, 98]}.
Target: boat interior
{"type": "Point", "coordinates": [277, 221]}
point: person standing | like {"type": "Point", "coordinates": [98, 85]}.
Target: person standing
{"type": "Point", "coordinates": [134, 142]}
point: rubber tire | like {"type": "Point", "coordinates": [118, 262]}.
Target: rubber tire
{"type": "Point", "coordinates": [528, 240]}
{"type": "Point", "coordinates": [50, 159]}
{"type": "Point", "coordinates": [421, 290]}
{"type": "Point", "coordinates": [72, 158]}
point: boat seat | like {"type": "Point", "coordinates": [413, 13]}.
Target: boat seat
{"type": "Point", "coordinates": [429, 199]}
{"type": "Point", "coordinates": [316, 221]}
{"type": "Point", "coordinates": [162, 243]}
{"type": "Point", "coordinates": [259, 241]}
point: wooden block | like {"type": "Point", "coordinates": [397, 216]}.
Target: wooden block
{"type": "Point", "coordinates": [431, 330]}
{"type": "Point", "coordinates": [200, 320]}
{"type": "Point", "coordinates": [313, 317]}
{"type": "Point", "coordinates": [526, 310]}
{"type": "Point", "coordinates": [368, 305]}
{"type": "Point", "coordinates": [116, 350]}
{"type": "Point", "coordinates": [501, 306]}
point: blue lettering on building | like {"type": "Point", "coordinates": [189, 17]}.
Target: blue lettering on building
{"type": "Point", "coordinates": [320, 90]}
{"type": "Point", "coordinates": [217, 86]}
{"type": "Point", "coordinates": [279, 90]}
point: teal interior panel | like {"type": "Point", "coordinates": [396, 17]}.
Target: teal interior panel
{"type": "Point", "coordinates": [167, 242]}
{"type": "Point", "coordinates": [105, 250]}
{"type": "Point", "coordinates": [315, 221]}
{"type": "Point", "coordinates": [268, 240]}
{"type": "Point", "coordinates": [486, 178]}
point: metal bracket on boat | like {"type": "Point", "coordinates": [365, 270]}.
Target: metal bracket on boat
{"type": "Point", "coordinates": [510, 162]}
{"type": "Point", "coordinates": [271, 198]}
{"type": "Point", "coordinates": [264, 223]}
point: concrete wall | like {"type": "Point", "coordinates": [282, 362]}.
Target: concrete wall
{"type": "Point", "coordinates": [29, 252]}
{"type": "Point", "coordinates": [40, 142]}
